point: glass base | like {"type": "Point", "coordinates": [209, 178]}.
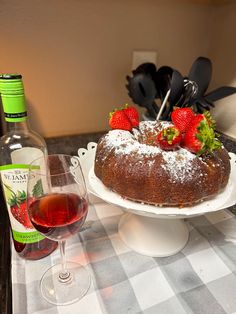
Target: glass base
{"type": "Point", "coordinates": [63, 292]}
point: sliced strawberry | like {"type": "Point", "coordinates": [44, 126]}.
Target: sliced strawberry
{"type": "Point", "coordinates": [119, 120]}
{"type": "Point", "coordinates": [181, 117]}
{"type": "Point", "coordinates": [169, 138]}
{"type": "Point", "coordinates": [132, 114]}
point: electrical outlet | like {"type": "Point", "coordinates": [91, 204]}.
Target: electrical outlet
{"type": "Point", "coordinates": [140, 57]}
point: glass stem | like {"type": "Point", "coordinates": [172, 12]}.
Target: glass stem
{"type": "Point", "coordinates": [64, 275]}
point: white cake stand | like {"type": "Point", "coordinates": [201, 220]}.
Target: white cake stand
{"type": "Point", "coordinates": [152, 230]}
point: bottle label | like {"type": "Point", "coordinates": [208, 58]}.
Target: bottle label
{"type": "Point", "coordinates": [14, 108]}
{"type": "Point", "coordinates": [14, 181]}
{"type": "Point", "coordinates": [13, 98]}
{"type": "Point", "coordinates": [14, 116]}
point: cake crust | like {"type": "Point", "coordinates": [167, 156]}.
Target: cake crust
{"type": "Point", "coordinates": [133, 166]}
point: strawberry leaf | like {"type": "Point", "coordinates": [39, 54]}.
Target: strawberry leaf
{"type": "Point", "coordinates": [207, 136]}
{"type": "Point", "coordinates": [21, 196]}
{"type": "Point", "coordinates": [16, 198]}
{"type": "Point", "coordinates": [199, 136]}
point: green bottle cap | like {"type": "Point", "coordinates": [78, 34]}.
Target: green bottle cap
{"type": "Point", "coordinates": [13, 97]}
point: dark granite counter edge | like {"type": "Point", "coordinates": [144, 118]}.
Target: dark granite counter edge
{"type": "Point", "coordinates": [229, 142]}
{"type": "Point", "coordinates": [70, 144]}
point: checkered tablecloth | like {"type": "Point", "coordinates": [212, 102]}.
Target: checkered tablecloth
{"type": "Point", "coordinates": [199, 279]}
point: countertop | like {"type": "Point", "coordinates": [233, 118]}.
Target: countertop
{"type": "Point", "coordinates": [67, 145]}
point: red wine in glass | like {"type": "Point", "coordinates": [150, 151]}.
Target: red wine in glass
{"type": "Point", "coordinates": [57, 203]}
{"type": "Point", "coordinates": [58, 215]}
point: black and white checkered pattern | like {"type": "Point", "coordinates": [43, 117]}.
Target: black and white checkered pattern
{"type": "Point", "coordinates": [199, 279]}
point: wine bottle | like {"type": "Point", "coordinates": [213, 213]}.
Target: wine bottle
{"type": "Point", "coordinates": [18, 147]}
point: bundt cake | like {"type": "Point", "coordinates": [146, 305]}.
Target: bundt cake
{"type": "Point", "coordinates": [133, 165]}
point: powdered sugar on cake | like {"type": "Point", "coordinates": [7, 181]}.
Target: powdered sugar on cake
{"type": "Point", "coordinates": [179, 163]}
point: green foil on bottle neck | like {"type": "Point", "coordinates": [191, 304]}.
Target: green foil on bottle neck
{"type": "Point", "coordinates": [13, 98]}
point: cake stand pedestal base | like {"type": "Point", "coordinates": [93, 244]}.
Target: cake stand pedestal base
{"type": "Point", "coordinates": [152, 236]}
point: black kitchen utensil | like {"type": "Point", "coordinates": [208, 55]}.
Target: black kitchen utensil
{"type": "Point", "coordinates": [149, 84]}
{"type": "Point", "coordinates": [142, 89]}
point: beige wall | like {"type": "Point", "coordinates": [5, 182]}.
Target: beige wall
{"type": "Point", "coordinates": [74, 54]}
{"type": "Point", "coordinates": [223, 54]}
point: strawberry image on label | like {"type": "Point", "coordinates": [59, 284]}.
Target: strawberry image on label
{"type": "Point", "coordinates": [18, 207]}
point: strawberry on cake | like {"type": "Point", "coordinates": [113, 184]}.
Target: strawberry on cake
{"type": "Point", "coordinates": [166, 163]}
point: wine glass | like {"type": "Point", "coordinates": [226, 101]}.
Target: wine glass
{"type": "Point", "coordinates": [57, 206]}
